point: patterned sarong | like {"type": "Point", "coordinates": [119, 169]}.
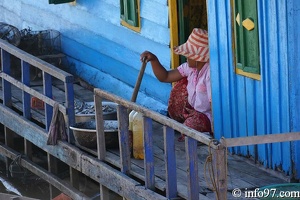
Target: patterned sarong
{"type": "Point", "coordinates": [180, 110]}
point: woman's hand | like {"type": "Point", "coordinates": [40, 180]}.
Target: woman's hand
{"type": "Point", "coordinates": [148, 56]}
{"type": "Point", "coordinates": [160, 72]}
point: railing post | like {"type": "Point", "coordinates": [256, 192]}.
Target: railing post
{"type": "Point", "coordinates": [170, 159]}
{"type": "Point", "coordinates": [219, 161]}
{"type": "Point", "coordinates": [192, 168]}
{"type": "Point", "coordinates": [52, 161]}
{"type": "Point", "coordinates": [7, 99]}
{"type": "Point", "coordinates": [149, 158]}
{"type": "Point", "coordinates": [69, 92]}
{"type": "Point", "coordinates": [26, 96]}
{"type": "Point", "coordinates": [70, 121]}
{"type": "Point", "coordinates": [5, 63]}
{"type": "Point", "coordinates": [124, 143]}
{"type": "Point", "coordinates": [26, 103]}
{"type": "Point", "coordinates": [101, 150]}
{"type": "Point", "coordinates": [47, 83]}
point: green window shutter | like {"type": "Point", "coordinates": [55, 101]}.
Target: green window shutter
{"type": "Point", "coordinates": [129, 12]}
{"type": "Point", "coordinates": [133, 13]}
{"type": "Point", "coordinates": [246, 36]}
{"type": "Point", "coordinates": [122, 9]}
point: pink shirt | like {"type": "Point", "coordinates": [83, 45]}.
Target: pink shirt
{"type": "Point", "coordinates": [199, 89]}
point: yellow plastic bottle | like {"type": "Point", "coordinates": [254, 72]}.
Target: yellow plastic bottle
{"type": "Point", "coordinates": [138, 136]}
{"type": "Point", "coordinates": [130, 130]}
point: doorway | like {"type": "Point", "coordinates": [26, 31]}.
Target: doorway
{"type": "Point", "coordinates": [184, 16]}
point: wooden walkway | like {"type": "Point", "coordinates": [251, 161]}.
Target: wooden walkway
{"type": "Point", "coordinates": [150, 178]}
{"type": "Point", "coordinates": [241, 174]}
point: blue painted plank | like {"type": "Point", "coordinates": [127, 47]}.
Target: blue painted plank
{"type": "Point", "coordinates": [124, 140]}
{"type": "Point", "coordinates": [170, 160]}
{"type": "Point", "coordinates": [6, 68]}
{"type": "Point", "coordinates": [14, 7]}
{"type": "Point", "coordinates": [110, 10]}
{"type": "Point", "coordinates": [129, 55]}
{"type": "Point", "coordinates": [226, 89]}
{"type": "Point", "coordinates": [26, 97]}
{"type": "Point", "coordinates": [148, 151]}
{"type": "Point", "coordinates": [242, 113]}
{"type": "Point", "coordinates": [268, 100]}
{"type": "Point", "coordinates": [262, 125]}
{"type": "Point", "coordinates": [65, 21]}
{"type": "Point", "coordinates": [293, 28]}
{"type": "Point", "coordinates": [47, 87]}
{"type": "Point", "coordinates": [155, 33]}
{"type": "Point", "coordinates": [69, 103]}
{"type": "Point", "coordinates": [192, 168]}
{"type": "Point", "coordinates": [215, 69]}
{"type": "Point", "coordinates": [284, 83]}
{"type": "Point", "coordinates": [232, 76]}
{"type": "Point", "coordinates": [161, 16]}
{"type": "Point", "coordinates": [251, 113]}
{"type": "Point", "coordinates": [274, 75]}
{"type": "Point", "coordinates": [120, 71]}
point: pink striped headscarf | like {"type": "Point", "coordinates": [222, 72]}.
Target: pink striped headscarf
{"type": "Point", "coordinates": [196, 47]}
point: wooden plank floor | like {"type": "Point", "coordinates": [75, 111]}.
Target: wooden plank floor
{"type": "Point", "coordinates": [241, 174]}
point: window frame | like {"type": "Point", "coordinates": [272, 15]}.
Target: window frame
{"type": "Point", "coordinates": [240, 52]}
{"type": "Point", "coordinates": [130, 14]}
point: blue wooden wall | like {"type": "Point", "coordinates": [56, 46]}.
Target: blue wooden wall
{"type": "Point", "coordinates": [100, 50]}
{"type": "Point", "coordinates": [243, 106]}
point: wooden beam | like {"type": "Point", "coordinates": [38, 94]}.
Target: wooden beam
{"type": "Point", "coordinates": [62, 185]}
{"type": "Point", "coordinates": [38, 136]}
{"type": "Point", "coordinates": [202, 137]}
{"type": "Point", "coordinates": [261, 139]}
{"type": "Point", "coordinates": [126, 187]}
{"type": "Point", "coordinates": [38, 63]}
{"type": "Point", "coordinates": [125, 144]}
{"type": "Point", "coordinates": [72, 156]}
{"type": "Point", "coordinates": [219, 161]}
{"type": "Point", "coordinates": [148, 152]}
{"type": "Point", "coordinates": [104, 192]}
{"type": "Point", "coordinates": [170, 160]}
{"type": "Point", "coordinates": [26, 103]}
{"type": "Point", "coordinates": [192, 168]}
{"type": "Point", "coordinates": [31, 91]}
{"type": "Point", "coordinates": [59, 55]}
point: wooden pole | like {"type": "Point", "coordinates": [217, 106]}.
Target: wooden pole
{"type": "Point", "coordinates": [138, 81]}
{"type": "Point", "coordinates": [262, 139]}
{"type": "Point", "coordinates": [219, 161]}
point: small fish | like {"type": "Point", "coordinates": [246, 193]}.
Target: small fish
{"type": "Point", "coordinates": [9, 187]}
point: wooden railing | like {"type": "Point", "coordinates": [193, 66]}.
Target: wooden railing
{"type": "Point", "coordinates": [12, 59]}
{"type": "Point", "coordinates": [79, 160]}
{"type": "Point", "coordinates": [169, 125]}
{"type": "Point", "coordinates": [49, 72]}
{"type": "Point", "coordinates": [97, 168]}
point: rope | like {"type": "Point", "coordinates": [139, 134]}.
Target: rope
{"type": "Point", "coordinates": [223, 141]}
{"type": "Point", "coordinates": [15, 167]}
{"type": "Point", "coordinates": [208, 166]}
